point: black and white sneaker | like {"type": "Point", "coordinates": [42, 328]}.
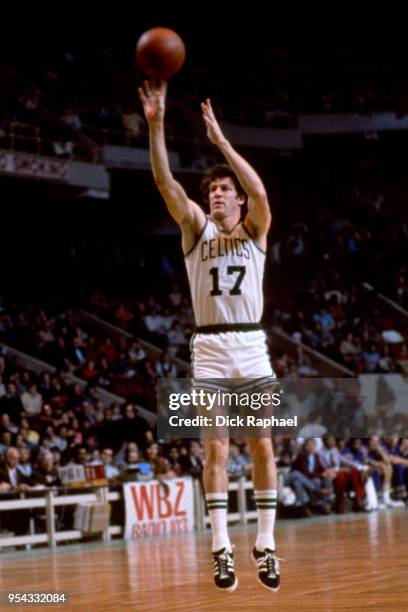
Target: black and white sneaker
{"type": "Point", "coordinates": [224, 572]}
{"type": "Point", "coordinates": [268, 568]}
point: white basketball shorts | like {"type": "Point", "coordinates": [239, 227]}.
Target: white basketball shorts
{"type": "Point", "coordinates": [231, 354]}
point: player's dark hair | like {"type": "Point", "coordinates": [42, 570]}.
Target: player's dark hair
{"type": "Point", "coordinates": [219, 171]}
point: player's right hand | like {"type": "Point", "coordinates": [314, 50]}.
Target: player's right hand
{"type": "Point", "coordinates": [153, 97]}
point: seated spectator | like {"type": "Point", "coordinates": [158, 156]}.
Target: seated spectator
{"type": "Point", "coordinates": [176, 339]}
{"type": "Point", "coordinates": [111, 471]}
{"type": "Point", "coordinates": [45, 387]}
{"type": "Point", "coordinates": [192, 463]}
{"type": "Point", "coordinates": [9, 474]}
{"type": "Point", "coordinates": [77, 354]}
{"type": "Point", "coordinates": [57, 458]}
{"type": "Point", "coordinates": [166, 367]}
{"type": "Point", "coordinates": [122, 367]}
{"type": "Point", "coordinates": [136, 352]}
{"type": "Point", "coordinates": [344, 474]}
{"type": "Point", "coordinates": [46, 417]}
{"type": "Point", "coordinates": [173, 457]}
{"type": "Point", "coordinates": [88, 371]}
{"type": "Point", "coordinates": [80, 456]}
{"type": "Point", "coordinates": [237, 464]}
{"type": "Point", "coordinates": [395, 449]}
{"type": "Point", "coordinates": [6, 441]}
{"type": "Point", "coordinates": [30, 437]}
{"type": "Point", "coordinates": [312, 485]}
{"type": "Point", "coordinates": [32, 401]}
{"type": "Point", "coordinates": [281, 365]}
{"type": "Point", "coordinates": [371, 358]}
{"type": "Point", "coordinates": [135, 468]}
{"type": "Point", "coordinates": [324, 320]}
{"type": "Point", "coordinates": [357, 453]}
{"type": "Point", "coordinates": [12, 480]}
{"type": "Point", "coordinates": [175, 296]}
{"type": "Point", "coordinates": [149, 371]}
{"type": "Point", "coordinates": [134, 428]}
{"type": "Point", "coordinates": [163, 469]}
{"type": "Point", "coordinates": [152, 453]}
{"type": "Point", "coordinates": [168, 320]}
{"type": "Point", "coordinates": [116, 412]}
{"type": "Point", "coordinates": [24, 462]}
{"type": "Point", "coordinates": [7, 425]}
{"type": "Point", "coordinates": [123, 316]}
{"type": "Point", "coordinates": [11, 403]}
{"type": "Point", "coordinates": [350, 348]}
{"type": "Point", "coordinates": [60, 440]}
{"type": "Point", "coordinates": [108, 350]}
{"type": "Point", "coordinates": [379, 459]}
{"type": "Point", "coordinates": [45, 473]}
{"type": "Point", "coordinates": [154, 321]}
{"type": "Point", "coordinates": [95, 457]}
{"type": "Point", "coordinates": [304, 365]}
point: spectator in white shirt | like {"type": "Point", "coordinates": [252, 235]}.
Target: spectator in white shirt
{"type": "Point", "coordinates": [32, 400]}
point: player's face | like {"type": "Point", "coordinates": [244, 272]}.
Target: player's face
{"type": "Point", "coordinates": [223, 198]}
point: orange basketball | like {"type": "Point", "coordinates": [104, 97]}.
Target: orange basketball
{"type": "Point", "coordinates": [160, 53]}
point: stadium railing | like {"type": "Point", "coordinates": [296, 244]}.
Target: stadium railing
{"type": "Point", "coordinates": [49, 501]}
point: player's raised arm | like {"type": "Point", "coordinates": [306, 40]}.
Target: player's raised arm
{"type": "Point", "coordinates": [183, 210]}
{"type": "Point", "coordinates": [259, 214]}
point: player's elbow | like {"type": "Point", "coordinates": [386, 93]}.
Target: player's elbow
{"type": "Point", "coordinates": [163, 183]}
{"type": "Point", "coordinates": [265, 212]}
{"type": "Point", "coordinates": [258, 194]}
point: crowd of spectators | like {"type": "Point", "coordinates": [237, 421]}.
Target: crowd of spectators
{"type": "Point", "coordinates": [325, 261]}
{"type": "Point", "coordinates": [320, 261]}
{"type": "Point", "coordinates": [76, 92]}
{"type": "Point", "coordinates": [343, 323]}
{"type": "Point", "coordinates": [48, 422]}
{"type": "Point", "coordinates": [120, 364]}
{"type": "Point", "coordinates": [328, 309]}
{"type": "Point", "coordinates": [347, 328]}
{"type": "Point", "coordinates": [316, 476]}
{"type": "Point", "coordinates": [329, 474]}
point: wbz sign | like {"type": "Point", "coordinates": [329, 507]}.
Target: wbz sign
{"type": "Point", "coordinates": [158, 508]}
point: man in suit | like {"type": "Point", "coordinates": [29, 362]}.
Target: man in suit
{"type": "Point", "coordinates": [312, 485]}
{"type": "Point", "coordinates": [12, 480]}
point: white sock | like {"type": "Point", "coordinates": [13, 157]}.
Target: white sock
{"type": "Point", "coordinates": [266, 508]}
{"type": "Point", "coordinates": [386, 496]}
{"type": "Point", "coordinates": [217, 509]}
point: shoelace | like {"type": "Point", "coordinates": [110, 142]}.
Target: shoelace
{"type": "Point", "coordinates": [271, 563]}
{"type": "Point", "coordinates": [222, 562]}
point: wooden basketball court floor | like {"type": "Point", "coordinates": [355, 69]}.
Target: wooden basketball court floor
{"type": "Point", "coordinates": [352, 562]}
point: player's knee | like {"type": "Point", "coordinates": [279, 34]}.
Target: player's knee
{"type": "Point", "coordinates": [261, 449]}
{"type": "Point", "coordinates": [216, 451]}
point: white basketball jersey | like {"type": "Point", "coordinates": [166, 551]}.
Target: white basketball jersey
{"type": "Point", "coordinates": [225, 273]}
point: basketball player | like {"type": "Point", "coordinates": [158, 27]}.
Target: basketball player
{"type": "Point", "coordinates": [225, 261]}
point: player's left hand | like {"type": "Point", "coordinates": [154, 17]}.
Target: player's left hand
{"type": "Point", "coordinates": [214, 131]}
